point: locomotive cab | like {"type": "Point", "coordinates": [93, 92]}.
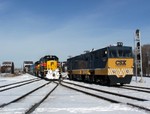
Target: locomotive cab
{"type": "Point", "coordinates": [120, 64]}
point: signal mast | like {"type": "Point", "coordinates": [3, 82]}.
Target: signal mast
{"type": "Point", "coordinates": [138, 55]}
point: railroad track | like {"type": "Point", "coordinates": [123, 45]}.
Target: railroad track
{"type": "Point", "coordinates": [17, 84]}
{"type": "Point", "coordinates": [147, 88]}
{"type": "Point", "coordinates": [33, 107]}
{"type": "Point", "coordinates": [36, 104]}
{"type": "Point", "coordinates": [108, 92]}
{"type": "Point", "coordinates": [82, 88]}
{"type": "Point", "coordinates": [136, 88]}
{"type": "Point", "coordinates": [23, 96]}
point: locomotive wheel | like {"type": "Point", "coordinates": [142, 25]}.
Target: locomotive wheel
{"type": "Point", "coordinates": [91, 79]}
{"type": "Point", "coordinates": [70, 76]}
{"type": "Point", "coordinates": [83, 78]}
{"type": "Point", "coordinates": [121, 84]}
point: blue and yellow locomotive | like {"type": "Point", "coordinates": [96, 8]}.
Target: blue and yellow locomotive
{"type": "Point", "coordinates": [108, 66]}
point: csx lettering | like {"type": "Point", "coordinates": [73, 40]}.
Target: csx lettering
{"type": "Point", "coordinates": [121, 62]}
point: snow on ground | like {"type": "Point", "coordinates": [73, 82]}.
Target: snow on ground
{"type": "Point", "coordinates": [136, 81]}
{"type": "Point", "coordinates": [65, 101]}
{"type": "Point", "coordinates": [11, 79]}
{"type": "Point", "coordinates": [62, 100]}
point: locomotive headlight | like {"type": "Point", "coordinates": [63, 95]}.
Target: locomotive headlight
{"type": "Point", "coordinates": [127, 71]}
{"type": "Point", "coordinates": [114, 71]}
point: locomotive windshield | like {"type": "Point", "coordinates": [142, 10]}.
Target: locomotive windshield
{"type": "Point", "coordinates": [51, 58]}
{"type": "Point", "coordinates": [120, 52]}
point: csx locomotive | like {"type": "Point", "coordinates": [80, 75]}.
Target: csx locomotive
{"type": "Point", "coordinates": [107, 66]}
{"type": "Point", "coordinates": [47, 67]}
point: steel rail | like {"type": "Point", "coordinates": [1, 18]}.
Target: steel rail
{"type": "Point", "coordinates": [108, 92]}
{"type": "Point", "coordinates": [23, 96]}
{"type": "Point", "coordinates": [19, 85]}
{"type": "Point", "coordinates": [108, 99]}
{"type": "Point", "coordinates": [16, 83]}
{"type": "Point", "coordinates": [31, 109]}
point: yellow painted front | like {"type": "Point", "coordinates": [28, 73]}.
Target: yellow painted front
{"type": "Point", "coordinates": [119, 63]}
{"type": "Point", "coordinates": [52, 65]}
{"type": "Point", "coordinates": [120, 67]}
{"type": "Point", "coordinates": [117, 67]}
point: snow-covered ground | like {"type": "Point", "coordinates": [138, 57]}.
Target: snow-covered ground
{"type": "Point", "coordinates": [63, 100]}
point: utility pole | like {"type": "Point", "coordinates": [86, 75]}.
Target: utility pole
{"type": "Point", "coordinates": [0, 69]}
{"type": "Point", "coordinates": [138, 55]}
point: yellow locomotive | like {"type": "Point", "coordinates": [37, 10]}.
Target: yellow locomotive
{"type": "Point", "coordinates": [47, 67]}
{"type": "Point", "coordinates": [108, 66]}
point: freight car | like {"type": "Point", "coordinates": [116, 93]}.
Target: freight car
{"type": "Point", "coordinates": [107, 66]}
{"type": "Point", "coordinates": [7, 67]}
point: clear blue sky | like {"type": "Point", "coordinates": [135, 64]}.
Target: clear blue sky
{"type": "Point", "coordinates": [30, 29]}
